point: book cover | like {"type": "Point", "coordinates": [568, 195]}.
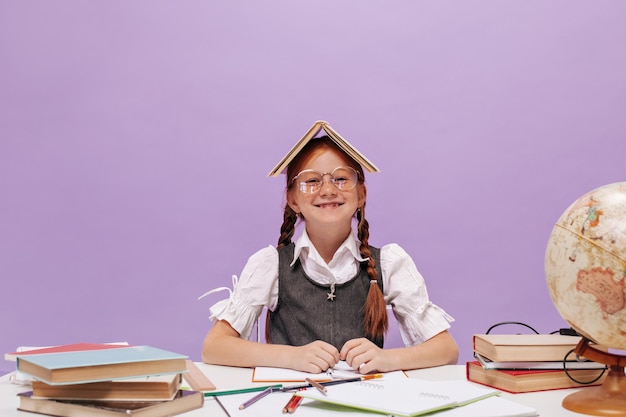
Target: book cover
{"type": "Point", "coordinates": [524, 347]}
{"type": "Point", "coordinates": [402, 397]}
{"type": "Point", "coordinates": [101, 365]}
{"type": "Point", "coordinates": [519, 381]}
{"type": "Point", "coordinates": [149, 388]}
{"type": "Point", "coordinates": [581, 364]}
{"type": "Point", "coordinates": [196, 379]}
{"type": "Point", "coordinates": [183, 401]}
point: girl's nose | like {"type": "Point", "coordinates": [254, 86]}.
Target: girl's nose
{"type": "Point", "coordinates": [328, 188]}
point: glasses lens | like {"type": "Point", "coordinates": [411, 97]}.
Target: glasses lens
{"type": "Point", "coordinates": [309, 182]}
{"type": "Point", "coordinates": [344, 178]}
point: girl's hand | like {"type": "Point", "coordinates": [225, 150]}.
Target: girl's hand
{"type": "Point", "coordinates": [364, 356]}
{"type": "Point", "coordinates": [314, 357]}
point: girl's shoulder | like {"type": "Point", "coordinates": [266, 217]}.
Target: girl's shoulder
{"type": "Point", "coordinates": [268, 253]}
{"type": "Point", "coordinates": [393, 250]}
{"type": "Point", "coordinates": [262, 263]}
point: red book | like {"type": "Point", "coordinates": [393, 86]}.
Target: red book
{"type": "Point", "coordinates": [63, 348]}
{"type": "Point", "coordinates": [529, 380]}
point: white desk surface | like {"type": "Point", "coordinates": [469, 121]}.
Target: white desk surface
{"type": "Point", "coordinates": [547, 403]}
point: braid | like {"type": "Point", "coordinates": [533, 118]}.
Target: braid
{"type": "Point", "coordinates": [375, 310]}
{"type": "Point", "coordinates": [286, 233]}
{"type": "Point", "coordinates": [288, 227]}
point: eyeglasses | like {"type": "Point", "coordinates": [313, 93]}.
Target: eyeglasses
{"type": "Point", "coordinates": [310, 181]}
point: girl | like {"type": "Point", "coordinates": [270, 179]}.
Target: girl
{"type": "Point", "coordinates": [326, 294]}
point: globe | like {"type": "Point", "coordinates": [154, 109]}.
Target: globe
{"type": "Point", "coordinates": [585, 265]}
{"type": "Point", "coordinates": [585, 268]}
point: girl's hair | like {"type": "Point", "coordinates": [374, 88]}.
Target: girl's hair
{"type": "Point", "coordinates": [374, 310]}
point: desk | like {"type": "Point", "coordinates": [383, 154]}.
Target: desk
{"type": "Point", "coordinates": [547, 403]}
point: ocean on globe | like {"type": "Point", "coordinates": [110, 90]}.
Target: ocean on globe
{"type": "Point", "coordinates": [585, 265]}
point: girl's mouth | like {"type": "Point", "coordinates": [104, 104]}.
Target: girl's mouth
{"type": "Point", "coordinates": [328, 205]}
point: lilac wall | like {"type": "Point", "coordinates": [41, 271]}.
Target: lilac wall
{"type": "Point", "coordinates": [135, 138]}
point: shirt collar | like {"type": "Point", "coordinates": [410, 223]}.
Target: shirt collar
{"type": "Point", "coordinates": [304, 246]}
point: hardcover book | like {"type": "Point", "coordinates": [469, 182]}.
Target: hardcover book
{"type": "Point", "coordinates": [100, 365]}
{"type": "Point", "coordinates": [524, 347]}
{"type": "Point", "coordinates": [150, 388]}
{"type": "Point", "coordinates": [183, 401]}
{"type": "Point", "coordinates": [518, 381]}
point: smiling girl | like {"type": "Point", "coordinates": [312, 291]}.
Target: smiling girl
{"type": "Point", "coordinates": [327, 293]}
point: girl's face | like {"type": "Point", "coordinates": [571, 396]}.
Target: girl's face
{"type": "Point", "coordinates": [329, 206]}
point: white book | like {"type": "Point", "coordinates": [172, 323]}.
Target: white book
{"type": "Point", "coordinates": [569, 365]}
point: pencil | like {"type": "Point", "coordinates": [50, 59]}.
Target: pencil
{"type": "Point", "coordinates": [317, 385]}
{"type": "Point", "coordinates": [292, 404]}
{"type": "Point", "coordinates": [256, 398]}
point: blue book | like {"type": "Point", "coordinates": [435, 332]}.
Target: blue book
{"type": "Point", "coordinates": [76, 367]}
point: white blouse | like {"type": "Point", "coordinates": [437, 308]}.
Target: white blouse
{"type": "Point", "coordinates": [403, 287]}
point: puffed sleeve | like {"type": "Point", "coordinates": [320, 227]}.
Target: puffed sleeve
{"type": "Point", "coordinates": [405, 290]}
{"type": "Point", "coordinates": [256, 288]}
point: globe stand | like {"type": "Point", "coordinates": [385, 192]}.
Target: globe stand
{"type": "Point", "coordinates": [608, 399]}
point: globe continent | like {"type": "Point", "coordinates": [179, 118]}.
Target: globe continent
{"type": "Point", "coordinates": [585, 265]}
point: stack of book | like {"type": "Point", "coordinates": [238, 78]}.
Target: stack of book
{"type": "Point", "coordinates": [105, 380]}
{"type": "Point", "coordinates": [530, 362]}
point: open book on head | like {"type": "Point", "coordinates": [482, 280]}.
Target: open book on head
{"type": "Point", "coordinates": [406, 397]}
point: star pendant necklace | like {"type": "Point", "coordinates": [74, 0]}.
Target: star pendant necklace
{"type": "Point", "coordinates": [331, 295]}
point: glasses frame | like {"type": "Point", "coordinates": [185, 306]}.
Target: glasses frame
{"type": "Point", "coordinates": [332, 179]}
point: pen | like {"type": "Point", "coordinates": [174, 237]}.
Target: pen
{"type": "Point", "coordinates": [256, 398]}
{"type": "Point", "coordinates": [327, 383]}
{"type": "Point", "coordinates": [217, 399]}
{"type": "Point", "coordinates": [275, 387]}
{"type": "Point", "coordinates": [358, 378]}
{"type": "Point", "coordinates": [317, 385]}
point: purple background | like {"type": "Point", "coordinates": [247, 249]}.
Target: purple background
{"type": "Point", "coordinates": [135, 139]}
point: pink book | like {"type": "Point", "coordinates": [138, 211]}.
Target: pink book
{"type": "Point", "coordinates": [63, 348]}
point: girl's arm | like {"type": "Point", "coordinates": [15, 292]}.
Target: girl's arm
{"type": "Point", "coordinates": [223, 346]}
{"type": "Point", "coordinates": [366, 357]}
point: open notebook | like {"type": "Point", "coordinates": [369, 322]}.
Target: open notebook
{"type": "Point", "coordinates": [272, 405]}
{"type": "Point", "coordinates": [341, 370]}
{"type": "Point", "coordinates": [404, 397]}
{"type": "Point", "coordinates": [270, 374]}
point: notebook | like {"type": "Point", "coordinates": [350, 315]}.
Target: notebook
{"type": "Point", "coordinates": [270, 374]}
{"type": "Point", "coordinates": [405, 397]}
{"type": "Point", "coordinates": [272, 405]}
{"type": "Point", "coordinates": [341, 370]}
